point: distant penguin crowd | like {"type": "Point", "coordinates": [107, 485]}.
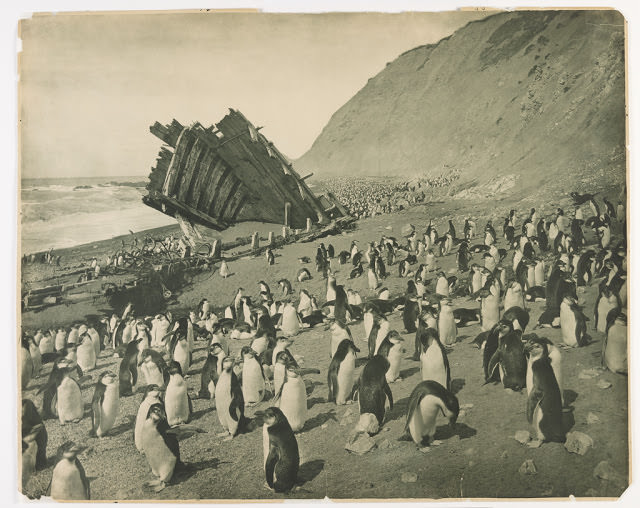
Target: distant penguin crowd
{"type": "Point", "coordinates": [544, 261]}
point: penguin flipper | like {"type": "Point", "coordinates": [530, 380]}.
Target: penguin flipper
{"type": "Point", "coordinates": [270, 464]}
{"type": "Point", "coordinates": [85, 480]}
{"type": "Point", "coordinates": [535, 397]}
{"type": "Point", "coordinates": [387, 391]}
{"type": "Point", "coordinates": [332, 384]}
{"type": "Point", "coordinates": [493, 365]}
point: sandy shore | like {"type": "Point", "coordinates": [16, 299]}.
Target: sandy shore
{"type": "Point", "coordinates": [479, 460]}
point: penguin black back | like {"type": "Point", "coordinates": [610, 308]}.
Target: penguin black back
{"type": "Point", "coordinates": [332, 376]}
{"type": "Point", "coordinates": [31, 419]}
{"type": "Point", "coordinates": [373, 389]}
{"type": "Point", "coordinates": [128, 370]}
{"type": "Point", "coordinates": [282, 460]}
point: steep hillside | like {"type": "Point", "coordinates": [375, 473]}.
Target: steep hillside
{"type": "Point", "coordinates": [529, 96]}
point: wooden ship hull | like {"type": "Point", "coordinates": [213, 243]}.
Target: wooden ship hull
{"type": "Point", "coordinates": [230, 173]}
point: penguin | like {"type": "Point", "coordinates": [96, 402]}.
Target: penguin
{"type": "Point", "coordinates": [30, 452]}
{"type": "Point", "coordinates": [434, 364]}
{"type": "Point", "coordinates": [150, 397]}
{"type": "Point", "coordinates": [573, 323]}
{"type": "Point", "coordinates": [356, 272]}
{"type": "Point", "coordinates": [403, 268]}
{"type": "Point", "coordinates": [179, 352]}
{"type": "Point", "coordinates": [518, 316]}
{"type": "Point", "coordinates": [33, 426]}
{"type": "Point", "coordinates": [104, 404]}
{"type": "Point", "coordinates": [410, 314]}
{"type": "Point", "coordinates": [86, 353]}
{"type": "Point", "coordinates": [514, 296]}
{"type": "Point", "coordinates": [303, 274]}
{"type": "Point", "coordinates": [554, 355]}
{"type": "Point", "coordinates": [69, 481]}
{"type": "Point", "coordinates": [544, 401]}
{"type": "Point", "coordinates": [69, 403]}
{"type": "Point", "coordinates": [253, 378]}
{"type": "Point", "coordinates": [463, 317]}
{"type": "Point", "coordinates": [379, 332]}
{"type": "Point", "coordinates": [270, 257]}
{"type": "Point", "coordinates": [229, 400]}
{"type": "Point", "coordinates": [211, 369]}
{"type": "Point", "coordinates": [339, 332]}
{"type": "Point", "coordinates": [281, 455]}
{"type": "Point", "coordinates": [442, 285]}
{"type": "Point", "coordinates": [26, 367]}
{"type": "Point", "coordinates": [446, 323]}
{"type": "Point", "coordinates": [342, 309]}
{"type": "Point", "coordinates": [177, 402]}
{"type": "Point", "coordinates": [510, 360]}
{"type": "Point", "coordinates": [373, 390]}
{"type": "Point", "coordinates": [290, 323]}
{"type": "Point", "coordinates": [427, 400]}
{"type": "Point", "coordinates": [128, 369]}
{"type": "Point", "coordinates": [224, 269]}
{"type": "Point", "coordinates": [61, 339]}
{"type": "Point", "coordinates": [614, 347]}
{"type": "Point", "coordinates": [343, 257]}
{"type": "Point", "coordinates": [605, 303]}
{"type": "Point", "coordinates": [153, 368]}
{"type": "Point", "coordinates": [160, 328]}
{"type": "Point", "coordinates": [340, 378]}
{"type": "Point", "coordinates": [46, 345]}
{"type": "Point", "coordinates": [95, 339]}
{"type": "Point", "coordinates": [160, 446]}
{"type": "Point", "coordinates": [425, 321]}
{"type": "Point", "coordinates": [463, 257]}
{"type": "Point", "coordinates": [372, 279]}
{"type": "Point", "coordinates": [292, 398]}
{"type": "Point", "coordinates": [392, 349]}
{"type": "Point", "coordinates": [331, 252]}
{"type": "Point", "coordinates": [36, 357]}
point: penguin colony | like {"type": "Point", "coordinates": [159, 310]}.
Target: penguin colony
{"type": "Point", "coordinates": [248, 362]}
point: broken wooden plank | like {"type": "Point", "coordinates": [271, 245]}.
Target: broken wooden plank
{"type": "Point", "coordinates": [191, 165]}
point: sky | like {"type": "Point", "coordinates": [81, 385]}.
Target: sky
{"type": "Point", "coordinates": [92, 84]}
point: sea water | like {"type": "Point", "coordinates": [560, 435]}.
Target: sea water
{"type": "Point", "coordinates": [64, 212]}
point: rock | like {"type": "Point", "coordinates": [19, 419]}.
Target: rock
{"type": "Point", "coordinates": [592, 418]}
{"type": "Point", "coordinates": [466, 406]}
{"type": "Point", "coordinates": [360, 443]}
{"type": "Point", "coordinates": [436, 442]}
{"type": "Point", "coordinates": [536, 443]}
{"type": "Point", "coordinates": [368, 423]}
{"type": "Point", "coordinates": [522, 436]}
{"type": "Point", "coordinates": [470, 451]}
{"type": "Point", "coordinates": [504, 455]}
{"type": "Point", "coordinates": [347, 418]}
{"type": "Point", "coordinates": [588, 374]}
{"type": "Point", "coordinates": [425, 449]}
{"type": "Point", "coordinates": [605, 471]}
{"type": "Point", "coordinates": [384, 444]}
{"type": "Point", "coordinates": [528, 467]}
{"type": "Point", "coordinates": [604, 384]}
{"type": "Point", "coordinates": [324, 425]}
{"type": "Point", "coordinates": [409, 478]}
{"type": "Point", "coordinates": [578, 442]}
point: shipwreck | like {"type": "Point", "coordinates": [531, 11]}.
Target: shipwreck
{"type": "Point", "coordinates": [228, 173]}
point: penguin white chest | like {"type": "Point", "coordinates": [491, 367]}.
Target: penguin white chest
{"type": "Point", "coordinates": [278, 376]}
{"type": "Point", "coordinates": [432, 365]}
{"type": "Point", "coordinates": [152, 374]}
{"type": "Point", "coordinates": [447, 327]}
{"type": "Point", "coordinates": [568, 325]}
{"type": "Point", "coordinates": [423, 420]}
{"type": "Point", "coordinates": [176, 401]}
{"type": "Point", "coordinates": [346, 378]}
{"type": "Point", "coordinates": [109, 409]}
{"type": "Point", "coordinates": [70, 405]}
{"type": "Point", "coordinates": [368, 324]}
{"type": "Point", "coordinates": [442, 287]}
{"type": "Point", "coordinates": [223, 402]}
{"type": "Point", "coordinates": [86, 354]}
{"type": "Point", "coordinates": [615, 354]}
{"type": "Point", "coordinates": [141, 417]}
{"type": "Point", "coordinates": [395, 361]}
{"type": "Point", "coordinates": [160, 457]}
{"type": "Point", "coordinates": [181, 355]}
{"type": "Point", "coordinates": [260, 345]}
{"type": "Point", "coordinates": [66, 482]}
{"type": "Point", "coordinates": [252, 382]}
{"type": "Point", "coordinates": [293, 402]}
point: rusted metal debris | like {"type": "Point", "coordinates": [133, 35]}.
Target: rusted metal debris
{"type": "Point", "coordinates": [230, 173]}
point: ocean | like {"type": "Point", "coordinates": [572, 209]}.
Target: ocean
{"type": "Point", "coordinates": [64, 212]}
